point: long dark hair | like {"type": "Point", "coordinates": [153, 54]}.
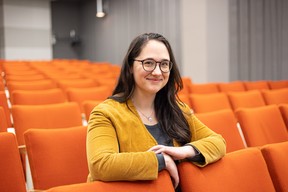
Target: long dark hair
{"type": "Point", "coordinates": [168, 112]}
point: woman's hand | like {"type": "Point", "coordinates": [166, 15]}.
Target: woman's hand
{"type": "Point", "coordinates": [177, 153]}
{"type": "Point", "coordinates": [172, 169]}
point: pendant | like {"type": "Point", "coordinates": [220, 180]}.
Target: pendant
{"type": "Point", "coordinates": [150, 119]}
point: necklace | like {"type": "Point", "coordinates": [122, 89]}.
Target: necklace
{"type": "Point", "coordinates": [149, 118]}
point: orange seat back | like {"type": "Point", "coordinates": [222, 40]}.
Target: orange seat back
{"type": "Point", "coordinates": [262, 125]}
{"type": "Point", "coordinates": [161, 184]}
{"type": "Point", "coordinates": [234, 172]}
{"type": "Point", "coordinates": [38, 97]}
{"type": "Point", "coordinates": [57, 156]}
{"type": "Point", "coordinates": [12, 175]}
{"type": "Point", "coordinates": [202, 103]}
{"type": "Point", "coordinates": [204, 88]}
{"type": "Point", "coordinates": [45, 116]}
{"type": "Point", "coordinates": [4, 104]}
{"type": "Point", "coordinates": [284, 111]}
{"type": "Point", "coordinates": [229, 130]}
{"type": "Point", "coordinates": [256, 85]}
{"type": "Point", "coordinates": [3, 122]}
{"type": "Point", "coordinates": [88, 106]}
{"type": "Point", "coordinates": [247, 99]}
{"type": "Point", "coordinates": [276, 158]}
{"type": "Point", "coordinates": [276, 96]}
{"type": "Point", "coordinates": [80, 95]}
{"type": "Point", "coordinates": [233, 86]}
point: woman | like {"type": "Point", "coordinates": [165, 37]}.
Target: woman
{"type": "Point", "coordinates": [143, 128]}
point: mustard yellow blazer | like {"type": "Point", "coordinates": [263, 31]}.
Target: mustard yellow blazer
{"type": "Point", "coordinates": [117, 143]}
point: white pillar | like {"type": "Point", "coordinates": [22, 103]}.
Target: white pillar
{"type": "Point", "coordinates": [205, 40]}
{"type": "Point", "coordinates": [26, 29]}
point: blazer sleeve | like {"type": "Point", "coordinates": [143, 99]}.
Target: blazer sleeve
{"type": "Point", "coordinates": [106, 162]}
{"type": "Point", "coordinates": [210, 144]}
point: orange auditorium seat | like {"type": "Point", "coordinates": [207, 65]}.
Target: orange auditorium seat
{"type": "Point", "coordinates": [88, 106]}
{"type": "Point", "coordinates": [225, 123]}
{"type": "Point", "coordinates": [76, 83]}
{"type": "Point", "coordinates": [161, 184]}
{"type": "Point", "coordinates": [204, 88]}
{"type": "Point", "coordinates": [278, 84]}
{"type": "Point", "coordinates": [48, 116]}
{"type": "Point", "coordinates": [256, 85]}
{"type": "Point", "coordinates": [276, 158]}
{"type": "Point", "coordinates": [80, 95]}
{"type": "Point", "coordinates": [31, 85]}
{"type": "Point", "coordinates": [185, 98]}
{"type": "Point", "coordinates": [4, 104]}
{"type": "Point", "coordinates": [12, 175]}
{"type": "Point", "coordinates": [57, 156]}
{"type": "Point", "coordinates": [238, 171]}
{"type": "Point", "coordinates": [231, 86]}
{"type": "Point", "coordinates": [3, 122]}
{"type": "Point", "coordinates": [276, 96]}
{"type": "Point", "coordinates": [262, 125]}
{"type": "Point", "coordinates": [38, 97]}
{"type": "Point", "coordinates": [187, 83]}
{"type": "Point", "coordinates": [284, 111]}
{"type": "Point", "coordinates": [21, 78]}
{"type": "Point", "coordinates": [246, 99]}
{"type": "Point", "coordinates": [202, 103]}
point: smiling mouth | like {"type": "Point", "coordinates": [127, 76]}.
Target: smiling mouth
{"type": "Point", "coordinates": [155, 80]}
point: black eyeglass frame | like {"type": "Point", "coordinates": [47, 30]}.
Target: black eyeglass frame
{"type": "Point", "coordinates": [142, 62]}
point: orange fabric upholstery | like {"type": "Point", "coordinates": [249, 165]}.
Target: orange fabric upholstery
{"type": "Point", "coordinates": [12, 176]}
{"type": "Point", "coordinates": [20, 78]}
{"type": "Point", "coordinates": [76, 83]}
{"type": "Point", "coordinates": [2, 86]}
{"type": "Point", "coordinates": [3, 122]}
{"type": "Point", "coordinates": [262, 125]}
{"type": "Point", "coordinates": [57, 156]}
{"type": "Point", "coordinates": [278, 84]}
{"type": "Point", "coordinates": [187, 84]}
{"type": "Point", "coordinates": [276, 96]}
{"type": "Point", "coordinates": [234, 172]}
{"type": "Point", "coordinates": [163, 183]}
{"type": "Point", "coordinates": [231, 86]}
{"type": "Point", "coordinates": [45, 116]}
{"type": "Point", "coordinates": [202, 103]}
{"type": "Point", "coordinates": [4, 104]}
{"type": "Point", "coordinates": [88, 106]}
{"type": "Point", "coordinates": [247, 99]}
{"type": "Point", "coordinates": [204, 88]}
{"type": "Point", "coordinates": [38, 97]}
{"type": "Point", "coordinates": [80, 95]}
{"type": "Point", "coordinates": [256, 85]}
{"type": "Point", "coordinates": [276, 158]}
{"type": "Point", "coordinates": [185, 98]}
{"type": "Point", "coordinates": [284, 111]}
{"type": "Point", "coordinates": [31, 85]}
{"type": "Point", "coordinates": [215, 121]}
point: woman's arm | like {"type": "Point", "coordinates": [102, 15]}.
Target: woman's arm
{"type": "Point", "coordinates": [106, 162]}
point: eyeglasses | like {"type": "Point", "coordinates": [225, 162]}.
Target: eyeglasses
{"type": "Point", "coordinates": [149, 65]}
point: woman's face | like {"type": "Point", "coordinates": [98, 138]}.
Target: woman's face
{"type": "Point", "coordinates": [151, 82]}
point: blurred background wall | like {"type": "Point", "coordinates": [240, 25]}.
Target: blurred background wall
{"type": "Point", "coordinates": [213, 40]}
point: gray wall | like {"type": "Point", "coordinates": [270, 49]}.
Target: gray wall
{"type": "Point", "coordinates": [126, 19]}
{"type": "Point", "coordinates": [65, 19]}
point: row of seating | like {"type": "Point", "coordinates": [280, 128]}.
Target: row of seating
{"type": "Point", "coordinates": [233, 86]}
{"type": "Point", "coordinates": [48, 120]}
{"type": "Point", "coordinates": [249, 127]}
{"type": "Point", "coordinates": [233, 100]}
{"type": "Point", "coordinates": [61, 166]}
